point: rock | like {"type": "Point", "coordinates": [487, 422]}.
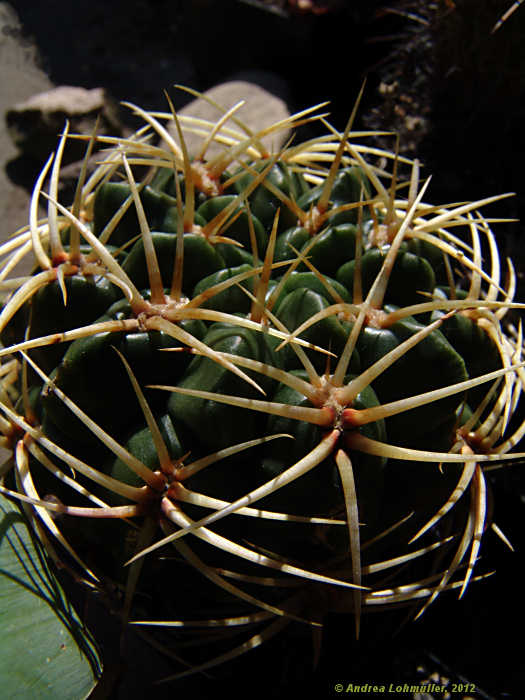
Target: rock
{"type": "Point", "coordinates": [261, 109]}
{"type": "Point", "coordinates": [35, 124]}
{"type": "Point", "coordinates": [22, 76]}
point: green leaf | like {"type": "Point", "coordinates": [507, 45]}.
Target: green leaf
{"type": "Point", "coordinates": [45, 652]}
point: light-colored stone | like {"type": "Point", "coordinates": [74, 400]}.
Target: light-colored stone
{"type": "Point", "coordinates": [20, 77]}
{"type": "Point", "coordinates": [261, 109]}
{"type": "Point", "coordinates": [35, 123]}
{"type": "Point", "coordinates": [74, 101]}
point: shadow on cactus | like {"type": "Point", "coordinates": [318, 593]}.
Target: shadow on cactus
{"type": "Point", "coordinates": [287, 362]}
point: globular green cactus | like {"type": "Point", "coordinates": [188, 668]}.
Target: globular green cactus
{"type": "Point", "coordinates": [288, 362]}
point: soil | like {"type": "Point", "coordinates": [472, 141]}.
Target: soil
{"type": "Point", "coordinates": [453, 92]}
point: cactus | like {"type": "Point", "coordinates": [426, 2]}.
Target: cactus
{"type": "Point", "coordinates": [268, 378]}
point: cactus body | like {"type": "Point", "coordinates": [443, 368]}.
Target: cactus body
{"type": "Point", "coordinates": [273, 349]}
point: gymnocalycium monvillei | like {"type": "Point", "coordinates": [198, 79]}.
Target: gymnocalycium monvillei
{"type": "Point", "coordinates": [276, 379]}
